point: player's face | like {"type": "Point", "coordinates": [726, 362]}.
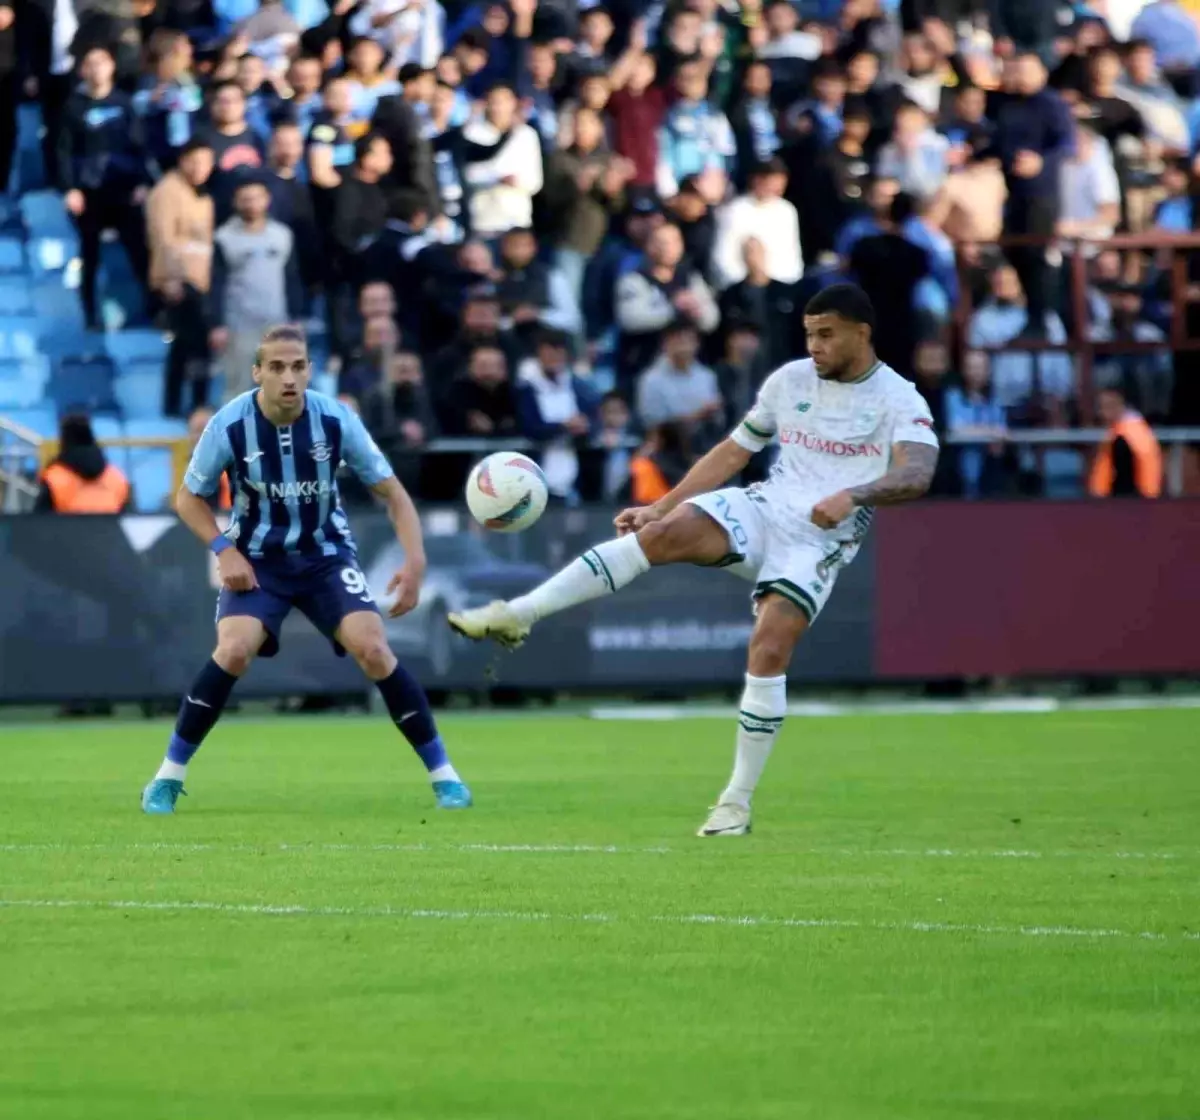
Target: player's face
{"type": "Point", "coordinates": [283, 374]}
{"type": "Point", "coordinates": [836, 345]}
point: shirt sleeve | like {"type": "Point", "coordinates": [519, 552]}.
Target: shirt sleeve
{"type": "Point", "coordinates": [361, 453]}
{"type": "Point", "coordinates": [212, 456]}
{"type": "Point", "coordinates": [913, 422]}
{"type": "Point", "coordinates": [758, 429]}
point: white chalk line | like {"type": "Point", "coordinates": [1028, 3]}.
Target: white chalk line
{"type": "Point", "coordinates": [595, 849]}
{"type": "Point", "coordinates": [724, 920]}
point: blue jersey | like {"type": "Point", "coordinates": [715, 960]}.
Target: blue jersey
{"type": "Point", "coordinates": [282, 478]}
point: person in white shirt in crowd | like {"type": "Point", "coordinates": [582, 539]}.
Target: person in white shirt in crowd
{"type": "Point", "coordinates": [1089, 193]}
{"type": "Point", "coordinates": [766, 215]}
{"type": "Point", "coordinates": [678, 387]}
{"type": "Point", "coordinates": [407, 30]}
{"type": "Point", "coordinates": [917, 155]}
{"type": "Point", "coordinates": [502, 166]}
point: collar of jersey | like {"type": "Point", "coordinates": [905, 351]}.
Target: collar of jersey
{"type": "Point", "coordinates": [258, 409]}
{"type": "Point", "coordinates": [868, 375]}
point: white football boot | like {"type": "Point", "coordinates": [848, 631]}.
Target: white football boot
{"type": "Point", "coordinates": [496, 621]}
{"type": "Point", "coordinates": [727, 819]}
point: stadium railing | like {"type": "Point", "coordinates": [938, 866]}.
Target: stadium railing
{"type": "Point", "coordinates": [19, 449]}
{"type": "Point", "coordinates": [1171, 251]}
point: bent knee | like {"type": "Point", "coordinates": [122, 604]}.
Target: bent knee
{"type": "Point", "coordinates": [375, 658]}
{"type": "Point", "coordinates": [673, 540]}
{"type": "Point", "coordinates": [234, 654]}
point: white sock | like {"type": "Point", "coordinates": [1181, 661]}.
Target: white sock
{"type": "Point", "coordinates": [764, 704]}
{"type": "Point", "coordinates": [600, 571]}
{"type": "Point", "coordinates": [444, 773]}
{"type": "Point", "coordinates": [169, 769]}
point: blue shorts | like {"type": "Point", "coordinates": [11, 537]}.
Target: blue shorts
{"type": "Point", "coordinates": [325, 589]}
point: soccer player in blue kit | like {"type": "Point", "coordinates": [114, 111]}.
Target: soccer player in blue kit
{"type": "Point", "coordinates": [289, 545]}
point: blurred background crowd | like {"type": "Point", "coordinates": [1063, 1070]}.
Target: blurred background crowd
{"type": "Point", "coordinates": [593, 226]}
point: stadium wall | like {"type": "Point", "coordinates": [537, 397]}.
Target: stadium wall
{"type": "Point", "coordinates": [122, 608]}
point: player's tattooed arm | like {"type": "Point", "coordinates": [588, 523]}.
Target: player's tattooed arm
{"type": "Point", "coordinates": [910, 476]}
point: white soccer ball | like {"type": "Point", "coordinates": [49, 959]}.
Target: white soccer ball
{"type": "Point", "coordinates": [506, 492]}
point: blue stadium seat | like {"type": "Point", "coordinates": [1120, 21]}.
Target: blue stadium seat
{"type": "Point", "coordinates": [15, 298]}
{"type": "Point", "coordinates": [84, 382]}
{"type": "Point", "coordinates": [45, 215]}
{"type": "Point", "coordinates": [17, 339]}
{"type": "Point", "coordinates": [109, 427]}
{"type": "Point", "coordinates": [55, 304]}
{"type": "Point", "coordinates": [140, 394]}
{"type": "Point", "coordinates": [161, 427]}
{"type": "Point", "coordinates": [136, 346]}
{"type": "Point", "coordinates": [40, 419]}
{"type": "Point", "coordinates": [12, 256]}
{"type": "Point", "coordinates": [1063, 471]}
{"type": "Point", "coordinates": [152, 473]}
{"type": "Point", "coordinates": [22, 383]}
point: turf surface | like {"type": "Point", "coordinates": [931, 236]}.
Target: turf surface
{"type": "Point", "coordinates": [975, 916]}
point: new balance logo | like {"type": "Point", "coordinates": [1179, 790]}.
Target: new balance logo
{"type": "Point", "coordinates": [804, 406]}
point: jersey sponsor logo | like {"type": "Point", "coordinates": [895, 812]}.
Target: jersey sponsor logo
{"type": "Point", "coordinates": [285, 490]}
{"type": "Point", "coordinates": [840, 448]}
{"type": "Point", "coordinates": [320, 452]}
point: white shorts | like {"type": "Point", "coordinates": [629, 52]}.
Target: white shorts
{"type": "Point", "coordinates": [802, 570]}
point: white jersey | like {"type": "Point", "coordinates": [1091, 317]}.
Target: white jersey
{"type": "Point", "coordinates": [832, 436]}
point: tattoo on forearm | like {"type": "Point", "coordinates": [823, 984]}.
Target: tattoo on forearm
{"type": "Point", "coordinates": [912, 471]}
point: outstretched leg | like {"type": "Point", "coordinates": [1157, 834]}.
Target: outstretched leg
{"type": "Point", "coordinates": [779, 626]}
{"type": "Point", "coordinates": [239, 638]}
{"type": "Point", "coordinates": [687, 535]}
{"type": "Point", "coordinates": [363, 637]}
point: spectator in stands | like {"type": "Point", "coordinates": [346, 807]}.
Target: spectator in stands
{"type": "Point", "coordinates": [237, 148]}
{"type": "Point", "coordinates": [179, 227]}
{"type": "Point", "coordinates": [585, 187]}
{"type": "Point", "coordinates": [481, 403]}
{"type": "Point", "coordinates": [80, 479]}
{"type": "Point", "coordinates": [368, 83]}
{"type": "Point", "coordinates": [1148, 375]}
{"type": "Point", "coordinates": [103, 172]}
{"type": "Point", "coordinates": [555, 409]}
{"type": "Point", "coordinates": [171, 100]}
{"type": "Point", "coordinates": [502, 166]}
{"type": "Point", "coordinates": [788, 51]}
{"type": "Point", "coordinates": [197, 421]}
{"type": "Point", "coordinates": [404, 32]}
{"type": "Point", "coordinates": [360, 208]}
{"type": "Point", "coordinates": [742, 368]}
{"type": "Point", "coordinates": [695, 137]}
{"type": "Point", "coordinates": [256, 282]}
{"type": "Point", "coordinates": [1089, 194]}
{"type": "Point", "coordinates": [263, 101]}
{"type": "Point", "coordinates": [1160, 107]}
{"type": "Point", "coordinates": [654, 296]}
{"type": "Point", "coordinates": [365, 371]}
{"type": "Point", "coordinates": [971, 203]}
{"type": "Point", "coordinates": [271, 33]}
{"type": "Point", "coordinates": [1004, 317]}
{"type": "Point", "coordinates": [636, 110]}
{"type": "Point", "coordinates": [529, 291]}
{"type": "Point", "coordinates": [1172, 33]}
{"type": "Point", "coordinates": [616, 428]}
{"type": "Point", "coordinates": [764, 305]}
{"type": "Point", "coordinates": [916, 156]}
{"type": "Point", "coordinates": [302, 108]}
{"type": "Point", "coordinates": [1034, 135]}
{"type": "Point", "coordinates": [291, 199]}
{"type": "Point", "coordinates": [755, 129]}
{"type": "Point", "coordinates": [972, 413]}
{"type": "Point", "coordinates": [1129, 463]}
{"type": "Point", "coordinates": [678, 387]}
{"type": "Point", "coordinates": [763, 214]}
{"type": "Point", "coordinates": [399, 414]}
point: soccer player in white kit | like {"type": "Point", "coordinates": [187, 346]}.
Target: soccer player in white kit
{"type": "Point", "coordinates": [852, 433]}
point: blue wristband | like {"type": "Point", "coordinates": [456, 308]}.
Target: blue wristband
{"type": "Point", "coordinates": [220, 543]}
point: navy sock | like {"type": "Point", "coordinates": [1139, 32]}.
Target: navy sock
{"type": "Point", "coordinates": [200, 710]}
{"type": "Point", "coordinates": [409, 709]}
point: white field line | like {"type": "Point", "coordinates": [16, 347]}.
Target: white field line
{"type": "Point", "coordinates": [1010, 705]}
{"type": "Point", "coordinates": [595, 849]}
{"type": "Point", "coordinates": [747, 921]}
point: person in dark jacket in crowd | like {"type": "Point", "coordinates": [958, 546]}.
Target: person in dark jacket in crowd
{"type": "Point", "coordinates": [360, 207]}
{"type": "Point", "coordinates": [80, 479]}
{"type": "Point", "coordinates": [481, 402]}
{"type": "Point", "coordinates": [102, 171]}
{"type": "Point", "coordinates": [399, 414]}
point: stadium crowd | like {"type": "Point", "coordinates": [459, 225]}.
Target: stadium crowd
{"type": "Point", "coordinates": [594, 225]}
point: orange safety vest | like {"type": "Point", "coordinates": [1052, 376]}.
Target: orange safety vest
{"type": "Point", "coordinates": [72, 494]}
{"type": "Point", "coordinates": [648, 482]}
{"type": "Point", "coordinates": [1147, 458]}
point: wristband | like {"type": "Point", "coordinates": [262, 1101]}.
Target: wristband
{"type": "Point", "coordinates": [220, 543]}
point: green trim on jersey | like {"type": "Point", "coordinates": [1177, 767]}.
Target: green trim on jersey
{"type": "Point", "coordinates": [757, 431]}
{"type": "Point", "coordinates": [868, 375]}
{"type": "Point", "coordinates": [797, 596]}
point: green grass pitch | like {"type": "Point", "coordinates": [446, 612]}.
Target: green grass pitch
{"type": "Point", "coordinates": [935, 919]}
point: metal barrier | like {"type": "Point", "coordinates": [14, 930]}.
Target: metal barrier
{"type": "Point", "coordinates": [18, 447]}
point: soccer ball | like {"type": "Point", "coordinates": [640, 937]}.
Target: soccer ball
{"type": "Point", "coordinates": [507, 492]}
